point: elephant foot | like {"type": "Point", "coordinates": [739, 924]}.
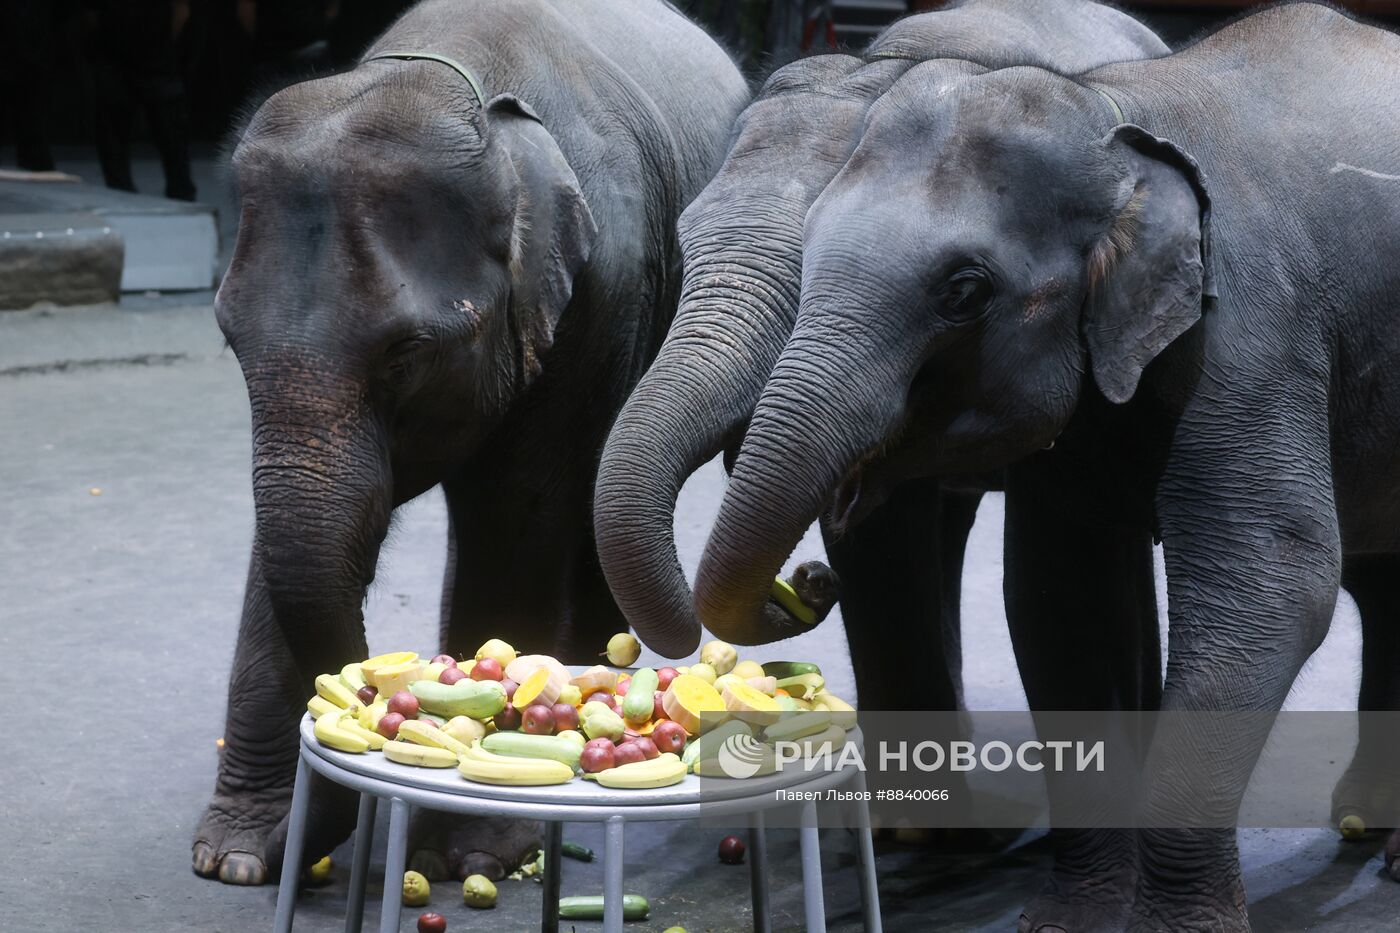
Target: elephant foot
{"type": "Point", "coordinates": [445, 846]}
{"type": "Point", "coordinates": [1365, 799]}
{"type": "Point", "coordinates": [1392, 855]}
{"type": "Point", "coordinates": [1091, 887]}
{"type": "Point", "coordinates": [243, 834]}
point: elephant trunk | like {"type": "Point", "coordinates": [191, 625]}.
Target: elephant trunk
{"type": "Point", "coordinates": [833, 398]}
{"type": "Point", "coordinates": [738, 304]}
{"type": "Point", "coordinates": [322, 496]}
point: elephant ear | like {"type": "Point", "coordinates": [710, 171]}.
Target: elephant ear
{"type": "Point", "coordinates": [1149, 276]}
{"type": "Point", "coordinates": [553, 231]}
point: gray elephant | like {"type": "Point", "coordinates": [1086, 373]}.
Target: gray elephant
{"type": "Point", "coordinates": [449, 270]}
{"type": "Point", "coordinates": [1180, 274]}
{"type": "Point", "coordinates": [742, 240]}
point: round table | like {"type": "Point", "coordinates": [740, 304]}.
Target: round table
{"type": "Point", "coordinates": [444, 790]}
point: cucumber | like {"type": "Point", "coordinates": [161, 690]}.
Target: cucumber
{"type": "Point", "coordinates": [641, 695]}
{"type": "Point", "coordinates": [438, 721]}
{"type": "Point", "coordinates": [524, 745]}
{"type": "Point", "coordinates": [782, 669]}
{"type": "Point", "coordinates": [575, 851]}
{"type": "Point", "coordinates": [477, 699]}
{"type": "Point", "coordinates": [590, 907]}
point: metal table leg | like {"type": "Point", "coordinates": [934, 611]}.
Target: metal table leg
{"type": "Point", "coordinates": [813, 903]}
{"type": "Point", "coordinates": [865, 848]}
{"type": "Point", "coordinates": [296, 842]}
{"type": "Point", "coordinates": [758, 873]}
{"type": "Point", "coordinates": [553, 836]}
{"type": "Point", "coordinates": [394, 863]}
{"type": "Point", "coordinates": [359, 865]}
{"type": "Point", "coordinates": [612, 875]}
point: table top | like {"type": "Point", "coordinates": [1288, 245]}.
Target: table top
{"type": "Point", "coordinates": [445, 789]}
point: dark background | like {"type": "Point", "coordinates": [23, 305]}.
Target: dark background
{"type": "Point", "coordinates": [228, 52]}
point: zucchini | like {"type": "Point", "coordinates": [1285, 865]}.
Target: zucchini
{"type": "Point", "coordinates": [641, 696]}
{"type": "Point", "coordinates": [575, 851]}
{"type": "Point", "coordinates": [784, 669]}
{"type": "Point", "coordinates": [590, 907]}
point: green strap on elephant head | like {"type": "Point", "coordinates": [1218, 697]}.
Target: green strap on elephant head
{"type": "Point", "coordinates": [442, 60]}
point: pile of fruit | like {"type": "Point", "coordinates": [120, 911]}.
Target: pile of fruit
{"type": "Point", "coordinates": [507, 718]}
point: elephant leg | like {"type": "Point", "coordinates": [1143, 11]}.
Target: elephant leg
{"type": "Point", "coordinates": [1082, 612]}
{"type": "Point", "coordinates": [241, 836]}
{"type": "Point", "coordinates": [1370, 789]}
{"type": "Point", "coordinates": [901, 566]}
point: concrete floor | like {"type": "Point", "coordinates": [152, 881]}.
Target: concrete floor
{"type": "Point", "coordinates": [123, 545]}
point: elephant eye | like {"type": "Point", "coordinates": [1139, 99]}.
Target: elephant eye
{"type": "Point", "coordinates": [400, 359]}
{"type": "Point", "coordinates": [967, 295]}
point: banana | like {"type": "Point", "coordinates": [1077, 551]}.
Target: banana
{"type": "Point", "coordinates": [802, 686]}
{"type": "Point", "coordinates": [352, 726]}
{"type": "Point", "coordinates": [842, 713]}
{"type": "Point", "coordinates": [330, 687]}
{"type": "Point", "coordinates": [794, 726]}
{"type": "Point", "coordinates": [422, 756]}
{"type": "Point", "coordinates": [411, 730]}
{"type": "Point", "coordinates": [828, 740]}
{"type": "Point", "coordinates": [318, 705]}
{"type": "Point", "coordinates": [352, 677]}
{"type": "Point", "coordinates": [661, 771]}
{"type": "Point", "coordinates": [329, 734]}
{"type": "Point", "coordinates": [489, 768]}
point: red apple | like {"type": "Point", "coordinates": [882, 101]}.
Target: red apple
{"type": "Point", "coordinates": [597, 758]}
{"type": "Point", "coordinates": [622, 683]}
{"type": "Point", "coordinates": [664, 676]}
{"type": "Point", "coordinates": [565, 716]}
{"type": "Point", "coordinates": [389, 725]}
{"type": "Point", "coordinates": [487, 669]}
{"type": "Point", "coordinates": [601, 696]}
{"type": "Point", "coordinates": [432, 923]}
{"type": "Point", "coordinates": [537, 720]}
{"type": "Point", "coordinates": [629, 752]}
{"type": "Point", "coordinates": [405, 704]}
{"type": "Point", "coordinates": [648, 747]}
{"type": "Point", "coordinates": [452, 675]}
{"type": "Point", "coordinates": [658, 710]}
{"type": "Point", "coordinates": [367, 694]}
{"type": "Point", "coordinates": [601, 742]}
{"type": "Point", "coordinates": [731, 850]}
{"type": "Point", "coordinates": [507, 719]}
{"type": "Point", "coordinates": [509, 686]}
{"type": "Point", "coordinates": [445, 659]}
{"type": "Point", "coordinates": [669, 736]}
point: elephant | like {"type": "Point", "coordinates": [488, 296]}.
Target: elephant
{"type": "Point", "coordinates": [742, 243]}
{"type": "Point", "coordinates": [454, 261]}
{"type": "Point", "coordinates": [1159, 295]}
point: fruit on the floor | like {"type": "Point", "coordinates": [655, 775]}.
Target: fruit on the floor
{"type": "Point", "coordinates": [496, 650]}
{"type": "Point", "coordinates": [416, 889]}
{"type": "Point", "coordinates": [421, 733]}
{"type": "Point", "coordinates": [590, 907]}
{"type": "Point", "coordinates": [660, 771]}
{"type": "Point", "coordinates": [464, 729]}
{"type": "Point", "coordinates": [522, 745]}
{"type": "Point", "coordinates": [487, 669]}
{"type": "Point", "coordinates": [422, 756]}
{"type": "Point", "coordinates": [479, 699]}
{"type": "Point", "coordinates": [623, 649]}
{"type": "Point", "coordinates": [674, 930]}
{"type": "Point", "coordinates": [669, 736]}
{"type": "Point", "coordinates": [329, 733]}
{"type": "Point", "coordinates": [388, 725]}
{"type": "Point", "coordinates": [479, 892]}
{"type": "Point", "coordinates": [637, 706]}
{"type": "Point", "coordinates": [542, 686]}
{"type": "Point", "coordinates": [688, 699]}
{"type": "Point", "coordinates": [432, 923]}
{"type": "Point", "coordinates": [731, 850]}
{"type": "Point", "coordinates": [369, 669]}
{"type": "Point", "coordinates": [489, 768]}
{"type": "Point", "coordinates": [537, 719]}
{"type": "Point", "coordinates": [319, 872]}
{"type": "Point", "coordinates": [330, 688]}
{"type": "Point", "coordinates": [720, 655]}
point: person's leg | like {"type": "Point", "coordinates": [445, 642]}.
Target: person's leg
{"type": "Point", "coordinates": [113, 125]}
{"type": "Point", "coordinates": [168, 116]}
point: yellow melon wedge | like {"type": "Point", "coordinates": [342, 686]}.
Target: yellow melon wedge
{"type": "Point", "coordinates": [688, 699]}
{"type": "Point", "coordinates": [543, 686]}
{"type": "Point", "coordinates": [750, 704]}
{"type": "Point", "coordinates": [369, 669]}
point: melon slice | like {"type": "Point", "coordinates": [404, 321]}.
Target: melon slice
{"type": "Point", "coordinates": [522, 667]}
{"type": "Point", "coordinates": [750, 704]}
{"type": "Point", "coordinates": [543, 686]}
{"type": "Point", "coordinates": [594, 679]}
{"type": "Point", "coordinates": [688, 698]}
{"type": "Point", "coordinates": [395, 677]}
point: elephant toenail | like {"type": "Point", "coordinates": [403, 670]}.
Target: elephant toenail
{"type": "Point", "coordinates": [204, 863]}
{"type": "Point", "coordinates": [429, 864]}
{"type": "Point", "coordinates": [482, 863]}
{"type": "Point", "coordinates": [242, 868]}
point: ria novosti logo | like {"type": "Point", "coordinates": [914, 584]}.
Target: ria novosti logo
{"type": "Point", "coordinates": [741, 756]}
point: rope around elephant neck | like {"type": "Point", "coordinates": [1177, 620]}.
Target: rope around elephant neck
{"type": "Point", "coordinates": [442, 60]}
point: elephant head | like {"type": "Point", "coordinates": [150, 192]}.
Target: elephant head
{"type": "Point", "coordinates": [991, 240]}
{"type": "Point", "coordinates": [404, 255]}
